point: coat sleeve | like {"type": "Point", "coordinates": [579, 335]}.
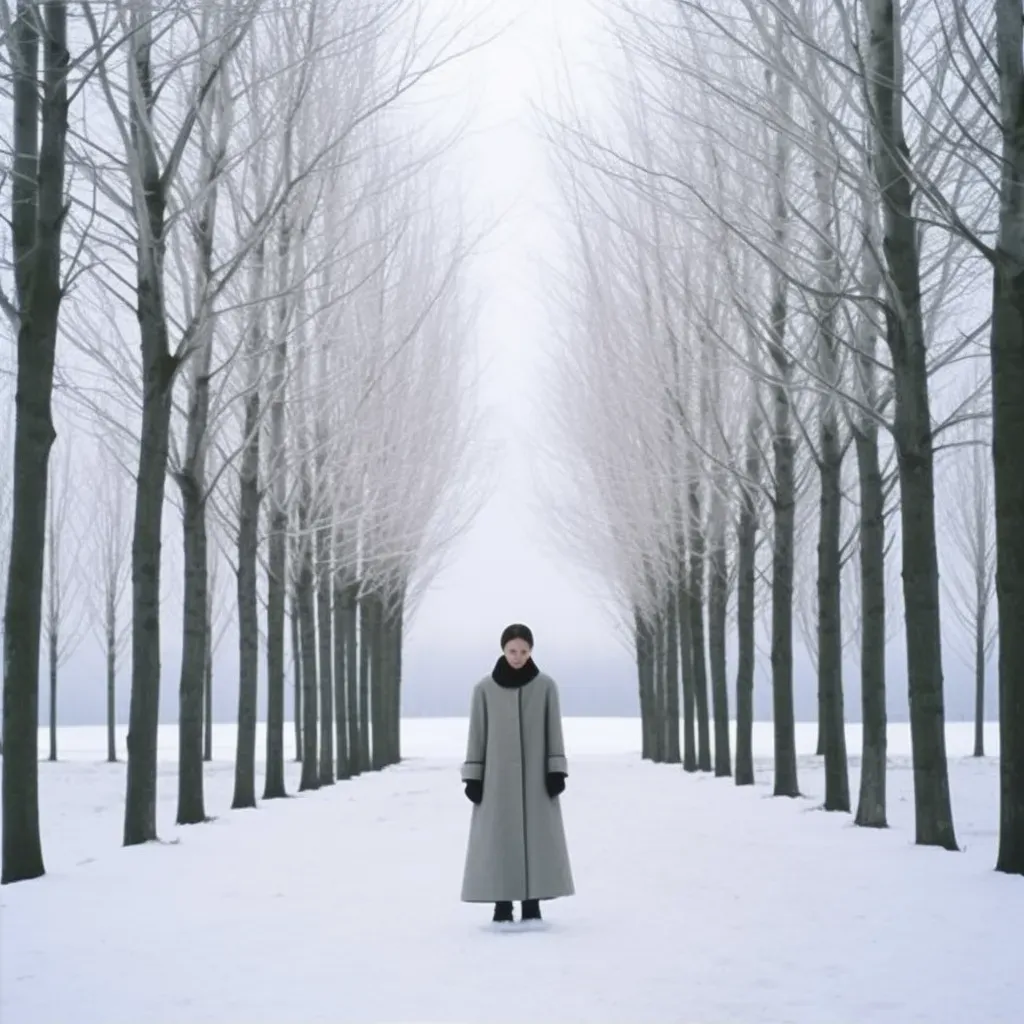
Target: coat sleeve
{"type": "Point", "coordinates": [476, 745]}
{"type": "Point", "coordinates": [555, 742]}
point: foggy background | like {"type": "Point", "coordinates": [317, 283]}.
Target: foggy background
{"type": "Point", "coordinates": [508, 566]}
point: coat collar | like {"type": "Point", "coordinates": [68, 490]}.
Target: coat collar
{"type": "Point", "coordinates": [511, 678]}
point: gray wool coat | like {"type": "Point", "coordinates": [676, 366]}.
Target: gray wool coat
{"type": "Point", "coordinates": [517, 848]}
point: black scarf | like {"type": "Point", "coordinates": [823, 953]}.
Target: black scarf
{"type": "Point", "coordinates": [505, 675]}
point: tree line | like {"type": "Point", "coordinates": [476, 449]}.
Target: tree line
{"type": "Point", "coordinates": [793, 309]}
{"type": "Point", "coordinates": [235, 267]}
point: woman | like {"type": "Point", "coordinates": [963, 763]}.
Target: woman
{"type": "Point", "coordinates": [514, 771]}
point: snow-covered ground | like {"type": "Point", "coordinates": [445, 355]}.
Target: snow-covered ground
{"type": "Point", "coordinates": [697, 902]}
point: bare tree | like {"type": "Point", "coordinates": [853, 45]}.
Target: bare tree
{"type": "Point", "coordinates": [970, 585]}
{"type": "Point", "coordinates": [830, 446]}
{"type": "Point", "coordinates": [211, 282]}
{"type": "Point", "coordinates": [277, 510]}
{"type": "Point", "coordinates": [771, 329]}
{"type": "Point", "coordinates": [883, 117]}
{"type": "Point", "coordinates": [213, 122]}
{"type": "Point", "coordinates": [218, 620]}
{"type": "Point", "coordinates": [110, 543]}
{"type": "Point", "coordinates": [871, 802]}
{"type": "Point", "coordinates": [412, 442]}
{"type": "Point", "coordinates": [783, 443]}
{"type": "Point", "coordinates": [841, 146]}
{"type": "Point", "coordinates": [38, 60]}
{"type": "Point", "coordinates": [912, 427]}
{"type": "Point", "coordinates": [136, 94]}
{"type": "Point", "coordinates": [1007, 428]}
{"type": "Point", "coordinates": [981, 134]}
{"type": "Point", "coordinates": [249, 491]}
{"type": "Point", "coordinates": [62, 613]}
{"type": "Point", "coordinates": [304, 529]}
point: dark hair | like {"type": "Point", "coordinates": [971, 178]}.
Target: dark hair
{"type": "Point", "coordinates": [517, 631]}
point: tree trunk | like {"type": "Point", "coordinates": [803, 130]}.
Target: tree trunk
{"type": "Point", "coordinates": [871, 803]}
{"type": "Point", "coordinates": [298, 704]}
{"type": "Point", "coordinates": [786, 783]}
{"type": "Point", "coordinates": [399, 642]}
{"type": "Point", "coordinates": [673, 754]}
{"type": "Point", "coordinates": [645, 679]}
{"type": "Point", "coordinates": [378, 685]}
{"type": "Point", "coordinates": [304, 590]}
{"type": "Point", "coordinates": [659, 688]}
{"type": "Point", "coordinates": [37, 216]}
{"type": "Point", "coordinates": [111, 645]}
{"type": "Point", "coordinates": [208, 688]}
{"type": "Point", "coordinates": [340, 695]}
{"type": "Point", "coordinates": [1007, 431]}
{"type": "Point", "coordinates": [54, 648]}
{"type": "Point", "coordinates": [366, 631]}
{"type": "Point", "coordinates": [746, 583]}
{"type": "Point", "coordinates": [324, 623]}
{"type": "Point", "coordinates": [683, 600]}
{"type": "Point", "coordinates": [277, 543]}
{"type": "Point", "coordinates": [53, 621]}
{"type": "Point", "coordinates": [352, 662]}
{"type": "Point", "coordinates": [784, 455]}
{"type": "Point", "coordinates": [144, 710]}
{"type": "Point", "coordinates": [912, 434]}
{"type": "Point", "coordinates": [158, 369]}
{"type": "Point", "coordinates": [718, 583]}
{"type": "Point", "coordinates": [248, 603]}
{"type": "Point", "coordinates": [158, 375]}
{"type": "Point", "coordinates": [383, 687]}
{"type": "Point", "coordinates": [277, 590]}
{"type": "Point", "coordinates": [933, 813]}
{"type": "Point", "coordinates": [979, 677]}
{"type": "Point", "coordinates": [696, 591]}
{"type": "Point", "coordinates": [191, 808]}
{"type": "Point", "coordinates": [830, 639]}
{"type": "Point", "coordinates": [393, 649]}
{"type": "Point", "coordinates": [830, 470]}
{"type": "Point", "coordinates": [390, 688]}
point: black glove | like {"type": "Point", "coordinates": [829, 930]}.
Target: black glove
{"type": "Point", "coordinates": [475, 790]}
{"type": "Point", "coordinates": [555, 783]}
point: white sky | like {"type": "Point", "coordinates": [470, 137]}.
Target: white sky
{"type": "Point", "coordinates": [507, 567]}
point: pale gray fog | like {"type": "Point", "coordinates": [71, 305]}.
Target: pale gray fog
{"type": "Point", "coordinates": [514, 562]}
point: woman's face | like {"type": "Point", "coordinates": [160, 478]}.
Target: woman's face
{"type": "Point", "coordinates": [517, 653]}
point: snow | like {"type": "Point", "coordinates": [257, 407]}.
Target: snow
{"type": "Point", "coordinates": [697, 901]}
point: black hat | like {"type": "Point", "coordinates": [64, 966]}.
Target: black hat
{"type": "Point", "coordinates": [517, 631]}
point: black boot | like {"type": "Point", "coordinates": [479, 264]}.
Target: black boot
{"type": "Point", "coordinates": [502, 912]}
{"type": "Point", "coordinates": [531, 910]}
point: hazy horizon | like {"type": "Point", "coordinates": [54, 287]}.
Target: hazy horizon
{"type": "Point", "coordinates": [600, 687]}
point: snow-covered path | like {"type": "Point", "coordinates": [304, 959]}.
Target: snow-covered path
{"type": "Point", "coordinates": [697, 903]}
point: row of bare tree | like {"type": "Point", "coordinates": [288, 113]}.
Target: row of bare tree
{"type": "Point", "coordinates": [796, 277]}
{"type": "Point", "coordinates": [234, 225]}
